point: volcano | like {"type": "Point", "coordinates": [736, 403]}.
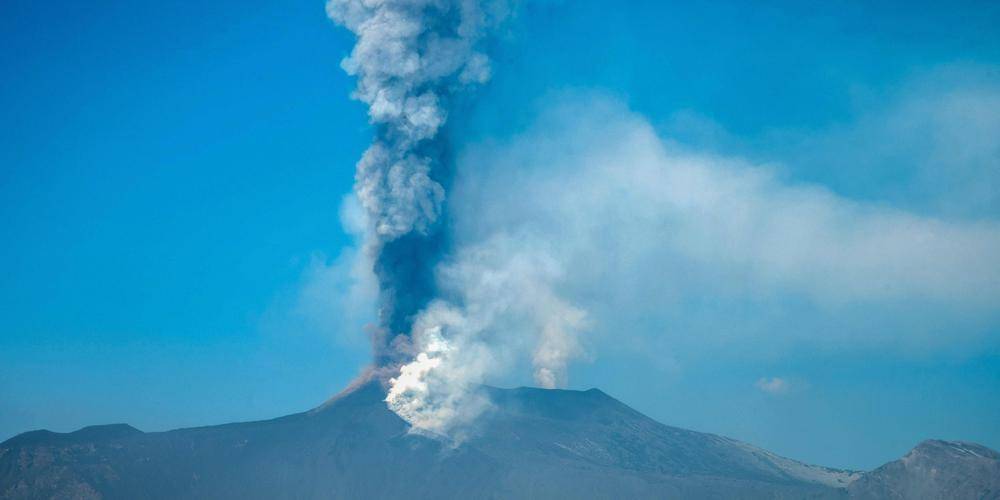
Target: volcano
{"type": "Point", "coordinates": [533, 443]}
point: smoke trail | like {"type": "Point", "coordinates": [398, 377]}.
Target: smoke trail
{"type": "Point", "coordinates": [410, 58]}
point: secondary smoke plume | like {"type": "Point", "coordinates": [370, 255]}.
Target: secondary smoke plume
{"type": "Point", "coordinates": [410, 58]}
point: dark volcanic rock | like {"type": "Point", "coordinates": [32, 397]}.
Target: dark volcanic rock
{"type": "Point", "coordinates": [533, 444]}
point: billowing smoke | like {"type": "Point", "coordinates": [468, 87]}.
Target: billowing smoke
{"type": "Point", "coordinates": [442, 311]}
{"type": "Point", "coordinates": [501, 305]}
{"type": "Point", "coordinates": [410, 58]}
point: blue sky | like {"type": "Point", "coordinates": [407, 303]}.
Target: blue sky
{"type": "Point", "coordinates": [172, 180]}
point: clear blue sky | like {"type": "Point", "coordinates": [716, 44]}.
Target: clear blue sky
{"type": "Point", "coordinates": [170, 173]}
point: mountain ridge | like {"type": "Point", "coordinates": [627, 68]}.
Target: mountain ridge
{"type": "Point", "coordinates": [533, 443]}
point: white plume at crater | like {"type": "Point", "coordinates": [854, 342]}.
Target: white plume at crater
{"type": "Point", "coordinates": [504, 306]}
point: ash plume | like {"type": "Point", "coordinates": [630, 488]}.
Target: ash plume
{"type": "Point", "coordinates": [448, 317]}
{"type": "Point", "coordinates": [411, 57]}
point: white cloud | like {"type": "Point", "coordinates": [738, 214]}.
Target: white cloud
{"type": "Point", "coordinates": [774, 385]}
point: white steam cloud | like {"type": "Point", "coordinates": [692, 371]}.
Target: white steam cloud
{"type": "Point", "coordinates": [504, 307]}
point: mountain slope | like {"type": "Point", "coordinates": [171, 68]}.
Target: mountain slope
{"type": "Point", "coordinates": [935, 469]}
{"type": "Point", "coordinates": [534, 444]}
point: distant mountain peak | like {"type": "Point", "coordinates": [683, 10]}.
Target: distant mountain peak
{"type": "Point", "coordinates": [935, 469]}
